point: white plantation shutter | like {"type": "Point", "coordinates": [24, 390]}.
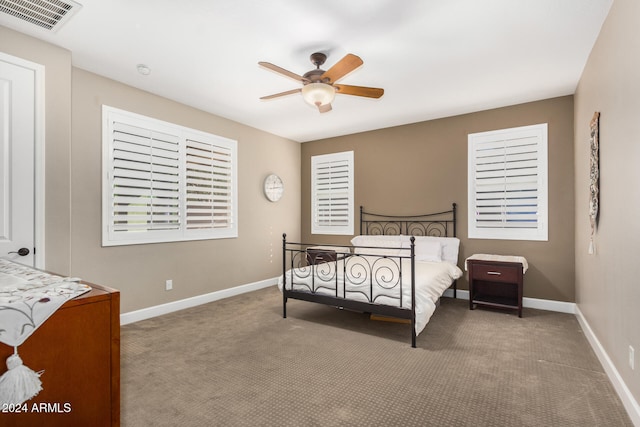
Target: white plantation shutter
{"type": "Point", "coordinates": [508, 184]}
{"type": "Point", "coordinates": [145, 180]}
{"type": "Point", "coordinates": [209, 196]}
{"type": "Point", "coordinates": [163, 182]}
{"type": "Point", "coordinates": [332, 193]}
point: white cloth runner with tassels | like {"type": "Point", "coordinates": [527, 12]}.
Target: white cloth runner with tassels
{"type": "Point", "coordinates": [500, 258]}
{"type": "Point", "coordinates": [28, 297]}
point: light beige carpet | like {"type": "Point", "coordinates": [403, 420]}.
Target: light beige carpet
{"type": "Point", "coordinates": [237, 362]}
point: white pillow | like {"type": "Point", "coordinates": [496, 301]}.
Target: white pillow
{"type": "Point", "coordinates": [426, 250]}
{"type": "Point", "coordinates": [382, 245]}
{"type": "Point", "coordinates": [376, 239]}
{"type": "Point", "coordinates": [450, 246]}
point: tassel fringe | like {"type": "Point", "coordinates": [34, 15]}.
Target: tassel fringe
{"type": "Point", "coordinates": [19, 383]}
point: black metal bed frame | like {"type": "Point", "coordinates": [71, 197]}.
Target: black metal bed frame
{"type": "Point", "coordinates": [440, 224]}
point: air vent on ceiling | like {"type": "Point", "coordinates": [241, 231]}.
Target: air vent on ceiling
{"type": "Point", "coordinates": [47, 14]}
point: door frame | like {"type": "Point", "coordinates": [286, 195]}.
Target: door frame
{"type": "Point", "coordinates": [39, 154]}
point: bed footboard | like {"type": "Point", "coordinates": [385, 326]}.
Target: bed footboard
{"type": "Point", "coordinates": [355, 278]}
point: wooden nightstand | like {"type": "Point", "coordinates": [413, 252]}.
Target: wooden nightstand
{"type": "Point", "coordinates": [496, 281]}
{"type": "Point", "coordinates": [320, 254]}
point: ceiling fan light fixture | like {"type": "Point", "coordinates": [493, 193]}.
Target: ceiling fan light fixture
{"type": "Point", "coordinates": [318, 94]}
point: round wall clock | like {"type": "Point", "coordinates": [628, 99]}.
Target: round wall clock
{"type": "Point", "coordinates": [273, 187]}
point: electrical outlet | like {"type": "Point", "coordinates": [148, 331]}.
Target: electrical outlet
{"type": "Point", "coordinates": [168, 285]}
{"type": "Point", "coordinates": [631, 358]}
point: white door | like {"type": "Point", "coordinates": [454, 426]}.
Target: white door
{"type": "Point", "coordinates": [17, 148]}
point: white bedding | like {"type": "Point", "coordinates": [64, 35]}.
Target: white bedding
{"type": "Point", "coordinates": [432, 279]}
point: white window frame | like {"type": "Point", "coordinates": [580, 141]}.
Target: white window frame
{"type": "Point", "coordinates": [177, 160]}
{"type": "Point", "coordinates": [498, 216]}
{"type": "Point", "coordinates": [339, 187]}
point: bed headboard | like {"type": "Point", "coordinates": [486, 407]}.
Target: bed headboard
{"type": "Point", "coordinates": [439, 224]}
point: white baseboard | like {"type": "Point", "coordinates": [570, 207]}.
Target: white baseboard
{"type": "Point", "coordinates": [549, 305]}
{"type": "Point", "coordinates": [540, 304]}
{"type": "Point", "coordinates": [629, 402]}
{"type": "Point", "coordinates": [159, 310]}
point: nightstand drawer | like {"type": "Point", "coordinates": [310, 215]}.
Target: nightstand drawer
{"type": "Point", "coordinates": [496, 272]}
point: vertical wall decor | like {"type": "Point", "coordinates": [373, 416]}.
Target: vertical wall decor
{"type": "Point", "coordinates": [594, 177]}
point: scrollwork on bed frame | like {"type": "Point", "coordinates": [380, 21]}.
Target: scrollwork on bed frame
{"type": "Point", "coordinates": [439, 224]}
{"type": "Point", "coordinates": [371, 276]}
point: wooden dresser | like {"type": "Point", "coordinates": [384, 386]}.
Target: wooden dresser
{"type": "Point", "coordinates": [79, 350]}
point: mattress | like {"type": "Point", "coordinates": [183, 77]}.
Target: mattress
{"type": "Point", "coordinates": [378, 280]}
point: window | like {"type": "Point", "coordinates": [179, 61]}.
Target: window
{"type": "Point", "coordinates": [508, 184]}
{"type": "Point", "coordinates": [164, 183]}
{"type": "Point", "coordinates": [332, 193]}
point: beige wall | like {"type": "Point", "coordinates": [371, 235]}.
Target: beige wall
{"type": "Point", "coordinates": [57, 64]}
{"type": "Point", "coordinates": [422, 168]}
{"type": "Point", "coordinates": [197, 267]}
{"type": "Point", "coordinates": [73, 191]}
{"type": "Point", "coordinates": [607, 286]}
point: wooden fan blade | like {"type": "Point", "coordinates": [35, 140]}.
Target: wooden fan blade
{"type": "Point", "coordinates": [282, 71]}
{"type": "Point", "coordinates": [276, 95]}
{"type": "Point", "coordinates": [324, 108]}
{"type": "Point", "coordinates": [369, 92]}
{"type": "Point", "coordinates": [343, 67]}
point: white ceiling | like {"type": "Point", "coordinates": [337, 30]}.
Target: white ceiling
{"type": "Point", "coordinates": [434, 58]}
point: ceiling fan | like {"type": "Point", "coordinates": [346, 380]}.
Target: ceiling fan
{"type": "Point", "coordinates": [319, 86]}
